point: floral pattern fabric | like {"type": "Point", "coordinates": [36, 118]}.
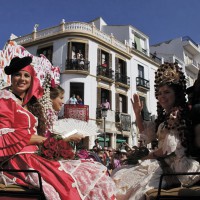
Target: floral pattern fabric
{"type": "Point", "coordinates": [65, 179]}
{"type": "Point", "coordinates": [133, 181]}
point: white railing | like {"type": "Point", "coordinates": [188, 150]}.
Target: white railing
{"type": "Point", "coordinates": [73, 27]}
{"type": "Point", "coordinates": [47, 32]}
{"type": "Point", "coordinates": [24, 39]}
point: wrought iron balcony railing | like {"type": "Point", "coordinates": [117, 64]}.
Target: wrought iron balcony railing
{"type": "Point", "coordinates": [122, 78]}
{"type": "Point", "coordinates": [105, 71]}
{"type": "Point", "coordinates": [124, 120]}
{"type": "Point", "coordinates": [77, 64]}
{"type": "Point", "coordinates": [155, 58]}
{"type": "Point", "coordinates": [141, 82]}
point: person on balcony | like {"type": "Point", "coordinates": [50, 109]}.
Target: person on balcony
{"type": "Point", "coordinates": [22, 128]}
{"type": "Point", "coordinates": [79, 100]}
{"type": "Point", "coordinates": [106, 104]}
{"type": "Point", "coordinates": [73, 100]}
{"type": "Point", "coordinates": [172, 130]}
{"type": "Point", "coordinates": [81, 62]}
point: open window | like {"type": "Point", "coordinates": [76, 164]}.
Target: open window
{"type": "Point", "coordinates": [77, 50]}
{"type": "Point", "coordinates": [77, 89]}
{"type": "Point", "coordinates": [104, 58]}
{"type": "Point", "coordinates": [104, 95]}
{"type": "Point", "coordinates": [47, 52]}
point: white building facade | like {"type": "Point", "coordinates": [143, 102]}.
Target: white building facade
{"type": "Point", "coordinates": [100, 62]}
{"type": "Point", "coordinates": [182, 50]}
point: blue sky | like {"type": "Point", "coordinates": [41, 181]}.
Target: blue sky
{"type": "Point", "coordinates": [159, 19]}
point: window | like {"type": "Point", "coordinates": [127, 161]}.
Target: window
{"type": "Point", "coordinates": [77, 50]}
{"type": "Point", "coordinates": [47, 52]}
{"type": "Point", "coordinates": [77, 89]}
{"type": "Point", "coordinates": [122, 103]}
{"type": "Point", "coordinates": [137, 43]}
{"type": "Point", "coordinates": [104, 58]}
{"type": "Point", "coordinates": [122, 66]}
{"type": "Point", "coordinates": [106, 97]}
{"type": "Point", "coordinates": [140, 71]}
{"type": "Point", "coordinates": [145, 113]}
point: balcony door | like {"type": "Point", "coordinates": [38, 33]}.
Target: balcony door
{"type": "Point", "coordinates": [104, 59]}
{"type": "Point", "coordinates": [77, 89]}
{"type": "Point", "coordinates": [140, 71]}
{"type": "Point", "coordinates": [77, 50]}
{"type": "Point", "coordinates": [146, 115]}
{"type": "Point", "coordinates": [102, 96]}
{"type": "Point", "coordinates": [121, 103]}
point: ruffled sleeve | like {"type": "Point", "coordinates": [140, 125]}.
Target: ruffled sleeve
{"type": "Point", "coordinates": [149, 133]}
{"type": "Point", "coordinates": [15, 126]}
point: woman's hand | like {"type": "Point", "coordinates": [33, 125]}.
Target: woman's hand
{"type": "Point", "coordinates": [36, 139]}
{"type": "Point", "coordinates": [74, 138]}
{"type": "Point", "coordinates": [137, 104]}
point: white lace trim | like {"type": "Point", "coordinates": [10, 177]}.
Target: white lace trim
{"type": "Point", "coordinates": [75, 184]}
{"type": "Point", "coordinates": [6, 180]}
{"type": "Point", "coordinates": [5, 94]}
{"type": "Point", "coordinates": [4, 131]}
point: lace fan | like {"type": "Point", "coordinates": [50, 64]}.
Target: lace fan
{"type": "Point", "coordinates": [67, 127]}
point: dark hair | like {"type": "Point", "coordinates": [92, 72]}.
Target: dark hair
{"type": "Point", "coordinates": [37, 110]}
{"type": "Point", "coordinates": [180, 101]}
{"type": "Point", "coordinates": [184, 122]}
{"type": "Point", "coordinates": [55, 92]}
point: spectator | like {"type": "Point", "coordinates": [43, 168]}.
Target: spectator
{"type": "Point", "coordinates": [97, 145]}
{"type": "Point", "coordinates": [79, 100]}
{"type": "Point", "coordinates": [73, 100]}
{"type": "Point", "coordinates": [106, 104]}
{"type": "Point", "coordinates": [81, 62]}
{"type": "Point", "coordinates": [115, 160]}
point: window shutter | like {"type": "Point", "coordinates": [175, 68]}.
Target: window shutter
{"type": "Point", "coordinates": [98, 57]}
{"type": "Point", "coordinates": [110, 61]}
{"type": "Point", "coordinates": [126, 108]}
{"type": "Point", "coordinates": [125, 67]}
{"type": "Point", "coordinates": [116, 64]}
{"type": "Point", "coordinates": [69, 52]}
{"type": "Point", "coordinates": [86, 51]}
{"type": "Point", "coordinates": [98, 97]}
{"type": "Point", "coordinates": [117, 102]}
{"type": "Point", "coordinates": [110, 99]}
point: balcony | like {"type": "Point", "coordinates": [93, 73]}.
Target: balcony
{"type": "Point", "coordinates": [142, 84]}
{"type": "Point", "coordinates": [134, 47]}
{"type": "Point", "coordinates": [155, 58]}
{"type": "Point", "coordinates": [110, 120]}
{"type": "Point", "coordinates": [77, 66]}
{"type": "Point", "coordinates": [192, 66]}
{"type": "Point", "coordinates": [105, 73]}
{"type": "Point", "coordinates": [80, 112]}
{"type": "Point", "coordinates": [73, 28]}
{"type": "Point", "coordinates": [191, 46]}
{"type": "Point", "coordinates": [122, 80]}
{"type": "Point", "coordinates": [123, 121]}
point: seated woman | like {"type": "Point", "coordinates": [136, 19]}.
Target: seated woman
{"type": "Point", "coordinates": [172, 131]}
{"type": "Point", "coordinates": [22, 128]}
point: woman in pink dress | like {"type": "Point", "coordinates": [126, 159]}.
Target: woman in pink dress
{"type": "Point", "coordinates": [22, 128]}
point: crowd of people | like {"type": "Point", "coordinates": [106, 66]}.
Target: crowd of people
{"type": "Point", "coordinates": [127, 173]}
